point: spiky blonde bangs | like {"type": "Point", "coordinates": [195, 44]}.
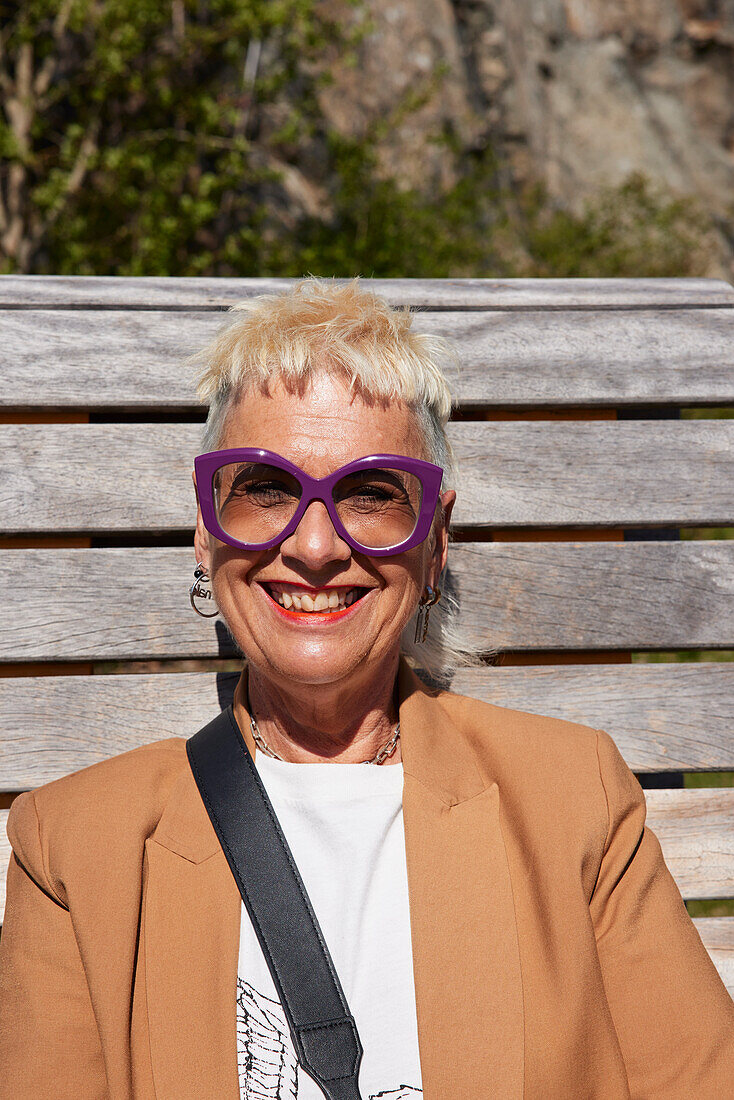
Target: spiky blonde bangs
{"type": "Point", "coordinates": [320, 324]}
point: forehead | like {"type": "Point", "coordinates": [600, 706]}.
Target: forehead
{"type": "Point", "coordinates": [323, 427]}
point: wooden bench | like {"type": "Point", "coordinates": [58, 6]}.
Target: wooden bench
{"type": "Point", "coordinates": [576, 476]}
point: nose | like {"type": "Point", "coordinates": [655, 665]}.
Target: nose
{"type": "Point", "coordinates": [315, 542]}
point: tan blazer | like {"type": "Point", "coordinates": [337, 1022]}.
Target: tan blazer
{"type": "Point", "coordinates": [553, 955]}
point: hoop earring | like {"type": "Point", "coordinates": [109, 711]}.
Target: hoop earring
{"type": "Point", "coordinates": [198, 591]}
{"type": "Point", "coordinates": [430, 597]}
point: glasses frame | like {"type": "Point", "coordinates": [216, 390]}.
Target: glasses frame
{"type": "Point", "coordinates": [206, 466]}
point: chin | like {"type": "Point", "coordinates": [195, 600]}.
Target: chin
{"type": "Point", "coordinates": [321, 668]}
{"type": "Point", "coordinates": [315, 664]}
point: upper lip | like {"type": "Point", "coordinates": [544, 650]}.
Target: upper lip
{"type": "Point", "coordinates": [301, 586]}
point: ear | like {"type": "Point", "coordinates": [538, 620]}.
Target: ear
{"type": "Point", "coordinates": [202, 544]}
{"type": "Point", "coordinates": [441, 549]}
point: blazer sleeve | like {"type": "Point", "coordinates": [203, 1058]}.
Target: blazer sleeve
{"type": "Point", "coordinates": [49, 1042]}
{"type": "Point", "coordinates": [673, 1016]}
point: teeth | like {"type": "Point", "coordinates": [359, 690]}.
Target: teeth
{"type": "Point", "coordinates": [332, 599]}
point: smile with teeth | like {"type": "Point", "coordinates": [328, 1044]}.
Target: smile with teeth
{"type": "Point", "coordinates": [323, 601]}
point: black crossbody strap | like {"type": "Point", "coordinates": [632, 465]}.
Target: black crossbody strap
{"type": "Point", "coordinates": [323, 1030]}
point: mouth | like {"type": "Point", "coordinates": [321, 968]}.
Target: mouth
{"type": "Point", "coordinates": [302, 603]}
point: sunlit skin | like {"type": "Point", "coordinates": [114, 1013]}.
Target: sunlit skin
{"type": "Point", "coordinates": [322, 688]}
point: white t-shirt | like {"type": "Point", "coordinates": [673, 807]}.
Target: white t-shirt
{"type": "Point", "coordinates": [344, 825]}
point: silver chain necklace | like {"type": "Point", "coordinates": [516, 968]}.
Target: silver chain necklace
{"type": "Point", "coordinates": [387, 749]}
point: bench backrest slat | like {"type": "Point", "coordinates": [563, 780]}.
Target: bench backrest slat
{"type": "Point", "coordinates": [514, 474]}
{"type": "Point", "coordinates": [175, 293]}
{"type": "Point", "coordinates": [134, 359]}
{"type": "Point", "coordinates": [664, 716]}
{"type": "Point", "coordinates": [121, 604]}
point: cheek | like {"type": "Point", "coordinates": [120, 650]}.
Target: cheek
{"type": "Point", "coordinates": [231, 569]}
{"type": "Point", "coordinates": [406, 580]}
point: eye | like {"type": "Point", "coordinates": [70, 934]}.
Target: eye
{"type": "Point", "coordinates": [369, 493]}
{"type": "Point", "coordinates": [373, 490]}
{"type": "Point", "coordinates": [255, 486]}
{"type": "Point", "coordinates": [265, 491]}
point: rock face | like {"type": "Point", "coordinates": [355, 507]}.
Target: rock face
{"type": "Point", "coordinates": [411, 79]}
{"type": "Point", "coordinates": [576, 93]}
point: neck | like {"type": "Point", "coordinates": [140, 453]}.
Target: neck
{"type": "Point", "coordinates": [324, 722]}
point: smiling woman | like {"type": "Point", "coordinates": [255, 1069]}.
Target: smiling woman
{"type": "Point", "coordinates": [292, 519]}
{"type": "Point", "coordinates": [478, 882]}
{"type": "Point", "coordinates": [336, 361]}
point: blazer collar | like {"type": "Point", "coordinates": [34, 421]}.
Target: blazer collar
{"type": "Point", "coordinates": [465, 950]}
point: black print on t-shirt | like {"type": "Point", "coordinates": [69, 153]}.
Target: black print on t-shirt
{"type": "Point", "coordinates": [265, 1057]}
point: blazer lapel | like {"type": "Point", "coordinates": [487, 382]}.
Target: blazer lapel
{"type": "Point", "coordinates": [190, 931]}
{"type": "Point", "coordinates": [466, 957]}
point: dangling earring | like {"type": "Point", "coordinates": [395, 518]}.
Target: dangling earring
{"type": "Point", "coordinates": [430, 597]}
{"type": "Point", "coordinates": [198, 591]}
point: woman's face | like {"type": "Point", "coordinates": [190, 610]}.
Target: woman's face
{"type": "Point", "coordinates": [321, 430]}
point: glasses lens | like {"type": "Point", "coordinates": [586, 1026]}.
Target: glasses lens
{"type": "Point", "coordinates": [379, 508]}
{"type": "Point", "coordinates": [253, 501]}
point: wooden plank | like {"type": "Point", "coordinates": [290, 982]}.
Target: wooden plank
{"type": "Point", "coordinates": [69, 722]}
{"type": "Point", "coordinates": [4, 859]}
{"type": "Point", "coordinates": [166, 292]}
{"type": "Point", "coordinates": [121, 604]}
{"type": "Point", "coordinates": [135, 359]}
{"type": "Point", "coordinates": [717, 936]}
{"type": "Point", "coordinates": [634, 595]}
{"type": "Point", "coordinates": [100, 478]}
{"type": "Point", "coordinates": [663, 717]}
{"type": "Point", "coordinates": [693, 826]}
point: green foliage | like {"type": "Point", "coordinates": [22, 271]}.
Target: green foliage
{"type": "Point", "coordinates": [376, 228]}
{"type": "Point", "coordinates": [165, 141]}
{"type": "Point", "coordinates": [156, 104]}
{"type": "Point", "coordinates": [480, 228]}
{"type": "Point", "coordinates": [660, 656]}
{"type": "Point", "coordinates": [710, 908]}
{"type": "Point", "coordinates": [633, 229]}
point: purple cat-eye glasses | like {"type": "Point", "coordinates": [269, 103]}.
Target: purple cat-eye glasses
{"type": "Point", "coordinates": [253, 499]}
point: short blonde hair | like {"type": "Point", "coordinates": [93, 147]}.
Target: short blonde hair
{"type": "Point", "coordinates": [328, 325]}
